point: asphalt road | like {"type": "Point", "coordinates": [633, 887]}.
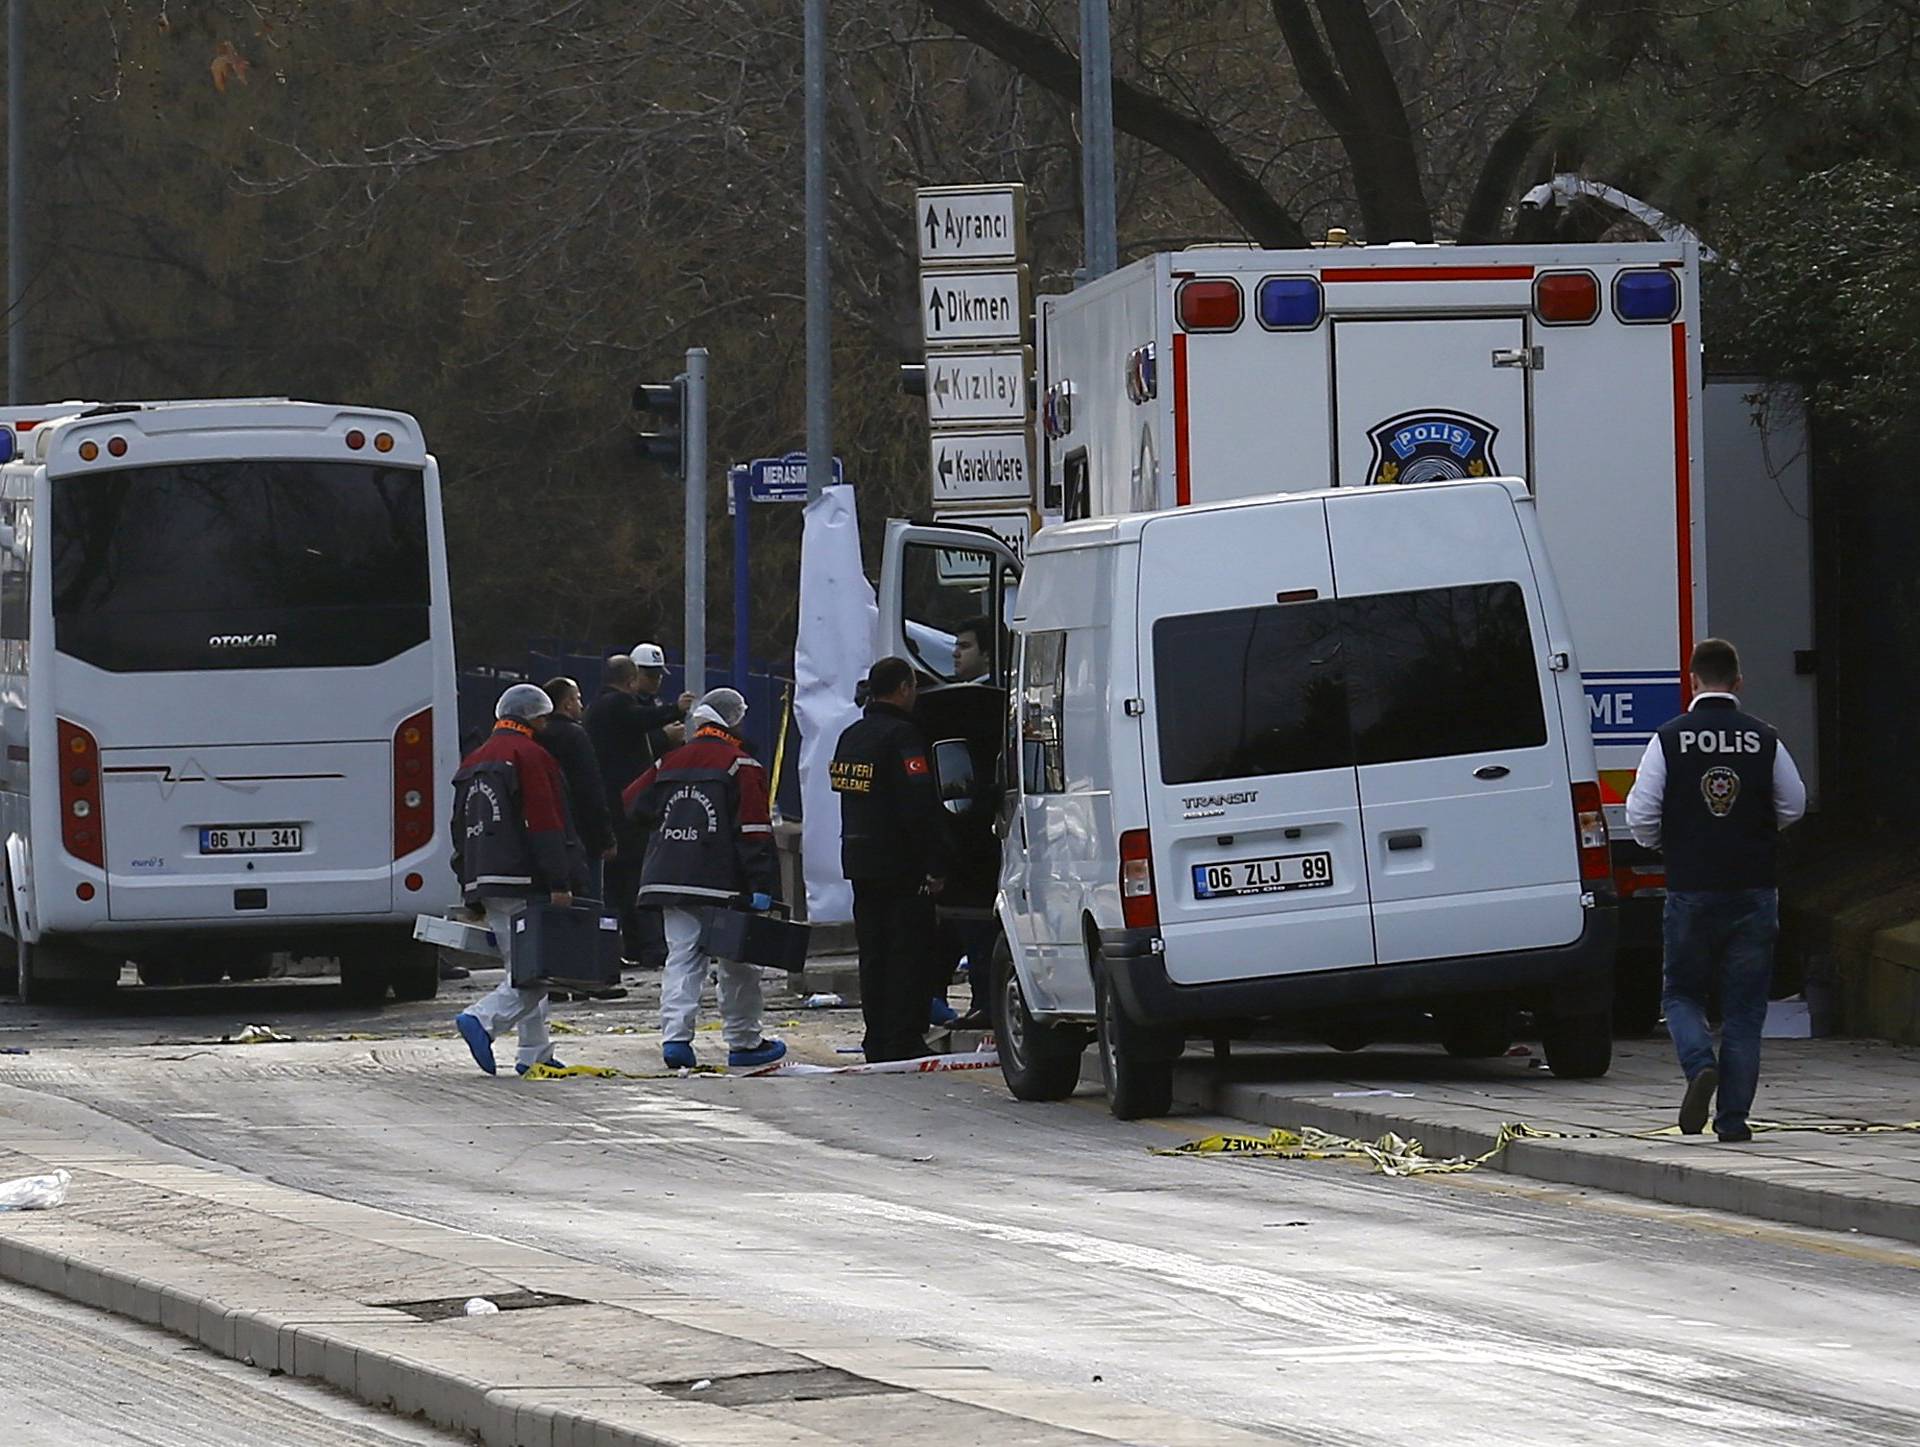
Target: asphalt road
{"type": "Point", "coordinates": [1312, 1301]}
{"type": "Point", "coordinates": [71, 1375]}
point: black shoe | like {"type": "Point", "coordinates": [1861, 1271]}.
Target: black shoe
{"type": "Point", "coordinates": [1735, 1135]}
{"type": "Point", "coordinates": [972, 1020]}
{"type": "Point", "coordinates": [562, 997]}
{"type": "Point", "coordinates": [1698, 1100]}
{"type": "Point", "coordinates": [617, 992]}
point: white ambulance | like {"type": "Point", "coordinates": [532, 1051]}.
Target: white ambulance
{"type": "Point", "coordinates": [1226, 372]}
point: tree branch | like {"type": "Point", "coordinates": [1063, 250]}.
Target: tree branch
{"type": "Point", "coordinates": [1138, 112]}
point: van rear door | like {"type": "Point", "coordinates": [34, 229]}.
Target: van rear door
{"type": "Point", "coordinates": [1464, 794]}
{"type": "Point", "coordinates": [1252, 798]}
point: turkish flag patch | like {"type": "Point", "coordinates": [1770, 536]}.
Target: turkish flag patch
{"type": "Point", "coordinates": [916, 764]}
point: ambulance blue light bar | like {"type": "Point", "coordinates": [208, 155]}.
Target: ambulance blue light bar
{"type": "Point", "coordinates": [1291, 303]}
{"type": "Point", "coordinates": [1646, 296]}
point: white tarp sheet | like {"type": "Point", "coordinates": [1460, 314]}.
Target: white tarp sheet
{"type": "Point", "coordinates": [838, 619]}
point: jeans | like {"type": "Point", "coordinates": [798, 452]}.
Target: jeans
{"type": "Point", "coordinates": [1720, 940]}
{"type": "Point", "coordinates": [506, 1008]}
{"type": "Point", "coordinates": [738, 987]}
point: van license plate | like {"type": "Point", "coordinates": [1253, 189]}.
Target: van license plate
{"type": "Point", "coordinates": [1271, 875]}
{"type": "Point", "coordinates": [251, 839]}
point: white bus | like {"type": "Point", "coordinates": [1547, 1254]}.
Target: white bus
{"type": "Point", "coordinates": [226, 694]}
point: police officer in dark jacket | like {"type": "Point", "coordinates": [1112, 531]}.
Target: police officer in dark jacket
{"type": "Point", "coordinates": [894, 848]}
{"type": "Point", "coordinates": [1714, 789]}
{"type": "Point", "coordinates": [568, 742]}
{"type": "Point", "coordinates": [632, 729]}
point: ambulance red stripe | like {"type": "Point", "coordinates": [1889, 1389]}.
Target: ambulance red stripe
{"type": "Point", "coordinates": [1182, 480]}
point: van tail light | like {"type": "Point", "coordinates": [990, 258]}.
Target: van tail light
{"type": "Point", "coordinates": [82, 824]}
{"type": "Point", "coordinates": [1632, 879]}
{"type": "Point", "coordinates": [1139, 907]}
{"type": "Point", "coordinates": [413, 784]}
{"type": "Point", "coordinates": [1590, 829]}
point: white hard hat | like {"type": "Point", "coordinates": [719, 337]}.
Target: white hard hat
{"type": "Point", "coordinates": [648, 655]}
{"type": "Point", "coordinates": [722, 706]}
{"type": "Point", "coordinates": [523, 701]}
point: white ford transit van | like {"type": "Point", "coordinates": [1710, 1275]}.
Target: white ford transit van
{"type": "Point", "coordinates": [1315, 760]}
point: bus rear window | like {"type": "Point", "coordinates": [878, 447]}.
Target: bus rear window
{"type": "Point", "coordinates": [240, 564]}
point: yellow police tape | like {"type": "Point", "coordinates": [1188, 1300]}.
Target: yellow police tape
{"type": "Point", "coordinates": [1391, 1155]}
{"type": "Point", "coordinates": [1394, 1155]}
{"type": "Point", "coordinates": [543, 1071]}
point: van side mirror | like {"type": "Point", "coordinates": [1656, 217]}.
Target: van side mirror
{"type": "Point", "coordinates": [953, 775]}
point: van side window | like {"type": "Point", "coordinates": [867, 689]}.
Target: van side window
{"type": "Point", "coordinates": [1043, 715]}
{"type": "Point", "coordinates": [1442, 672]}
{"type": "Point", "coordinates": [1377, 679]}
{"type": "Point", "coordinates": [16, 570]}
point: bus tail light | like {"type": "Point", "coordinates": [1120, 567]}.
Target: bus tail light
{"type": "Point", "coordinates": [1139, 907]}
{"type": "Point", "coordinates": [82, 825]}
{"type": "Point", "coordinates": [413, 784]}
{"type": "Point", "coordinates": [1590, 831]}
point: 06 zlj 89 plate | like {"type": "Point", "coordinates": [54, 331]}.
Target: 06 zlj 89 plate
{"type": "Point", "coordinates": [251, 839]}
{"type": "Point", "coordinates": [1272, 875]}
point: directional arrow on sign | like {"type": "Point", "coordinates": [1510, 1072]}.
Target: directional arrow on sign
{"type": "Point", "coordinates": [958, 307]}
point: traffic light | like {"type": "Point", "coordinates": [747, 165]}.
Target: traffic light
{"type": "Point", "coordinates": [663, 411]}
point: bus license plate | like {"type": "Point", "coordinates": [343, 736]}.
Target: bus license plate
{"type": "Point", "coordinates": [1271, 875]}
{"type": "Point", "coordinates": [251, 839]}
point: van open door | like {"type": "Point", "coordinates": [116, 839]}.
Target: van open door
{"type": "Point", "coordinates": [934, 581]}
{"type": "Point", "coordinates": [942, 588]}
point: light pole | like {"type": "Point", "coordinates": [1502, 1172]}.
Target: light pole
{"type": "Point", "coordinates": [819, 309]}
{"type": "Point", "coordinates": [1096, 140]}
{"type": "Point", "coordinates": [17, 202]}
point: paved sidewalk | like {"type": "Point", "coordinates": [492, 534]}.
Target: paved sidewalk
{"type": "Point", "coordinates": [1620, 1129]}
{"type": "Point", "coordinates": [581, 1355]}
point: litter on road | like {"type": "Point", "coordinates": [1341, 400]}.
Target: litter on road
{"type": "Point", "coordinates": [35, 1193]}
{"type": "Point", "coordinates": [480, 1306]}
{"type": "Point", "coordinates": [256, 1035]}
{"type": "Point", "coordinates": [1391, 1155]}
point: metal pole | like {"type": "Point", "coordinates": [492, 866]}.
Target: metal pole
{"type": "Point", "coordinates": [1096, 140]}
{"type": "Point", "coordinates": [695, 432]}
{"type": "Point", "coordinates": [17, 202]}
{"type": "Point", "coordinates": [742, 595]}
{"type": "Point", "coordinates": [819, 310]}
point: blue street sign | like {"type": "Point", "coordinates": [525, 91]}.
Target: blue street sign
{"type": "Point", "coordinates": [784, 479]}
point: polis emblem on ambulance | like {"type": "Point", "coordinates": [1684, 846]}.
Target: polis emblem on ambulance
{"type": "Point", "coordinates": [1431, 447]}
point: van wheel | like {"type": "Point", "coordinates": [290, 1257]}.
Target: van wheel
{"type": "Point", "coordinates": [1039, 1062]}
{"type": "Point", "coordinates": [1346, 1039]}
{"type": "Point", "coordinates": [1471, 1037]}
{"type": "Point", "coordinates": [1578, 1047]}
{"type": "Point", "coordinates": [1135, 1062]}
{"type": "Point", "coordinates": [414, 971]}
{"type": "Point", "coordinates": [363, 977]}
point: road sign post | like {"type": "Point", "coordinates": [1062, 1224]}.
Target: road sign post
{"type": "Point", "coordinates": [976, 309]}
{"type": "Point", "coordinates": [737, 485]}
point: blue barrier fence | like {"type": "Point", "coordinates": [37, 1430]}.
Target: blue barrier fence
{"type": "Point", "coordinates": [768, 692]}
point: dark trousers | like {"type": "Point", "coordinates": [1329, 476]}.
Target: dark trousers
{"type": "Point", "coordinates": [973, 939]}
{"type": "Point", "coordinates": [643, 933]}
{"type": "Point", "coordinates": [894, 929]}
{"type": "Point", "coordinates": [1721, 941]}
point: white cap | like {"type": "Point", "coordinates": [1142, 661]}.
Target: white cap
{"type": "Point", "coordinates": [722, 706]}
{"type": "Point", "coordinates": [523, 701]}
{"type": "Point", "coordinates": [648, 655]}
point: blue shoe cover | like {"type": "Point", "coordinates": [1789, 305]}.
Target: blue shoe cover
{"type": "Point", "coordinates": [765, 1053]}
{"type": "Point", "coordinates": [478, 1041]}
{"type": "Point", "coordinates": [679, 1055]}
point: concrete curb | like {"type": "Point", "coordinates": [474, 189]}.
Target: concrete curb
{"type": "Point", "coordinates": [1657, 1171]}
{"type": "Point", "coordinates": [322, 1350]}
